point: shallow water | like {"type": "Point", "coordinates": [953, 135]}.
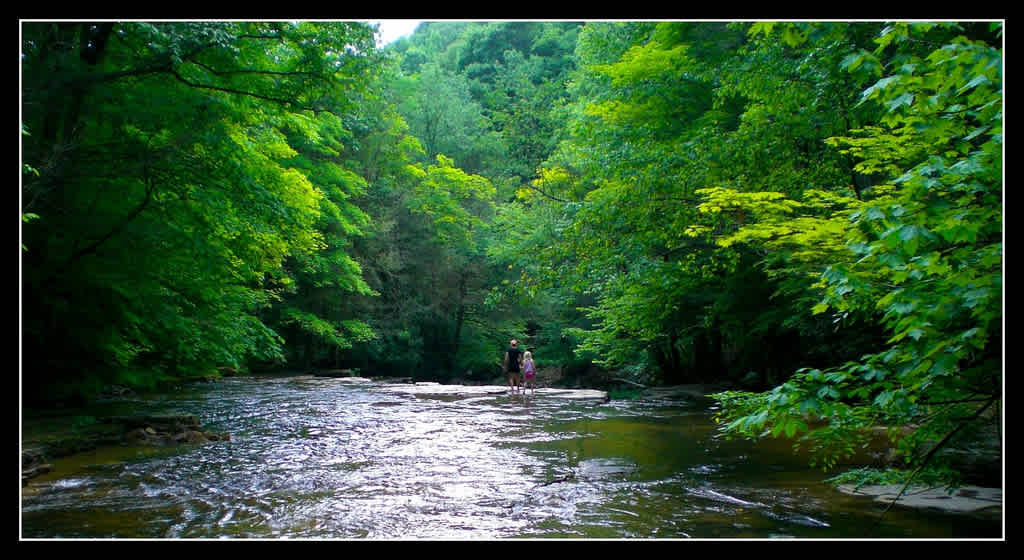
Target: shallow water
{"type": "Point", "coordinates": [318, 458]}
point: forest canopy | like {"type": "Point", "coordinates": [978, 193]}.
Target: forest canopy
{"type": "Point", "coordinates": [807, 213]}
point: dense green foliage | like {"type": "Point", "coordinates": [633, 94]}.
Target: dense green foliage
{"type": "Point", "coordinates": [187, 173]}
{"type": "Point", "coordinates": [808, 210]}
{"type": "Point", "coordinates": [919, 253]}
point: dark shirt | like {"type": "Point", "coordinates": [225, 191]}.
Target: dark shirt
{"type": "Point", "coordinates": [513, 359]}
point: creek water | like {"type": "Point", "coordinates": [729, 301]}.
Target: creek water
{"type": "Point", "coordinates": [318, 458]}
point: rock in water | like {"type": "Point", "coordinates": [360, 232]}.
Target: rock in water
{"type": "Point", "coordinates": [963, 500]}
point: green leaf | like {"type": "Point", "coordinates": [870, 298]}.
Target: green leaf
{"type": "Point", "coordinates": [902, 100]}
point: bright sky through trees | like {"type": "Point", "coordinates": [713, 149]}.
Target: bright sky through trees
{"type": "Point", "coordinates": [394, 29]}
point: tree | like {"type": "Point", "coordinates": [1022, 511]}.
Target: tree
{"type": "Point", "coordinates": [167, 200]}
{"type": "Point", "coordinates": [921, 255]}
{"type": "Point", "coordinates": [457, 206]}
{"type": "Point", "coordinates": [446, 119]}
{"type": "Point", "coordinates": [313, 316]}
{"type": "Point", "coordinates": [661, 111]}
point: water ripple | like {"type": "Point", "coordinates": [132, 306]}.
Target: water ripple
{"type": "Point", "coordinates": [316, 458]}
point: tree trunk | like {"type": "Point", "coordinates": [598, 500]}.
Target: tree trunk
{"type": "Point", "coordinates": [460, 319]}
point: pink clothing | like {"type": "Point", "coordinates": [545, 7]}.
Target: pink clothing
{"type": "Point", "coordinates": [528, 370]}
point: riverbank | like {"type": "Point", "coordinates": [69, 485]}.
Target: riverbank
{"type": "Point", "coordinates": [52, 437]}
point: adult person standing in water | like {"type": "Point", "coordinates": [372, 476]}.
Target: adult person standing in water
{"type": "Point", "coordinates": [511, 362]}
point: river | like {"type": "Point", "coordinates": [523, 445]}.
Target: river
{"type": "Point", "coordinates": [322, 458]}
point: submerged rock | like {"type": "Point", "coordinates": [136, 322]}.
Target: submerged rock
{"type": "Point", "coordinates": [438, 389]}
{"type": "Point", "coordinates": [336, 373]}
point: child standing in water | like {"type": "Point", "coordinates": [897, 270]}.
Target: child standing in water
{"type": "Point", "coordinates": [529, 371]}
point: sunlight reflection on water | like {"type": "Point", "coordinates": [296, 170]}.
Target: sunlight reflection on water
{"type": "Point", "coordinates": [317, 458]}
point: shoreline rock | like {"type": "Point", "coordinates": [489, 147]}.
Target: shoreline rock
{"type": "Point", "coordinates": [33, 464]}
{"type": "Point", "coordinates": [165, 429]}
{"type": "Point", "coordinates": [156, 430]}
{"type": "Point", "coordinates": [966, 499]}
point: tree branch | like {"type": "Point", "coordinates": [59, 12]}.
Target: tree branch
{"type": "Point", "coordinates": [931, 453]}
{"type": "Point", "coordinates": [92, 247]}
{"type": "Point", "coordinates": [232, 91]}
{"type": "Point", "coordinates": [547, 195]}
